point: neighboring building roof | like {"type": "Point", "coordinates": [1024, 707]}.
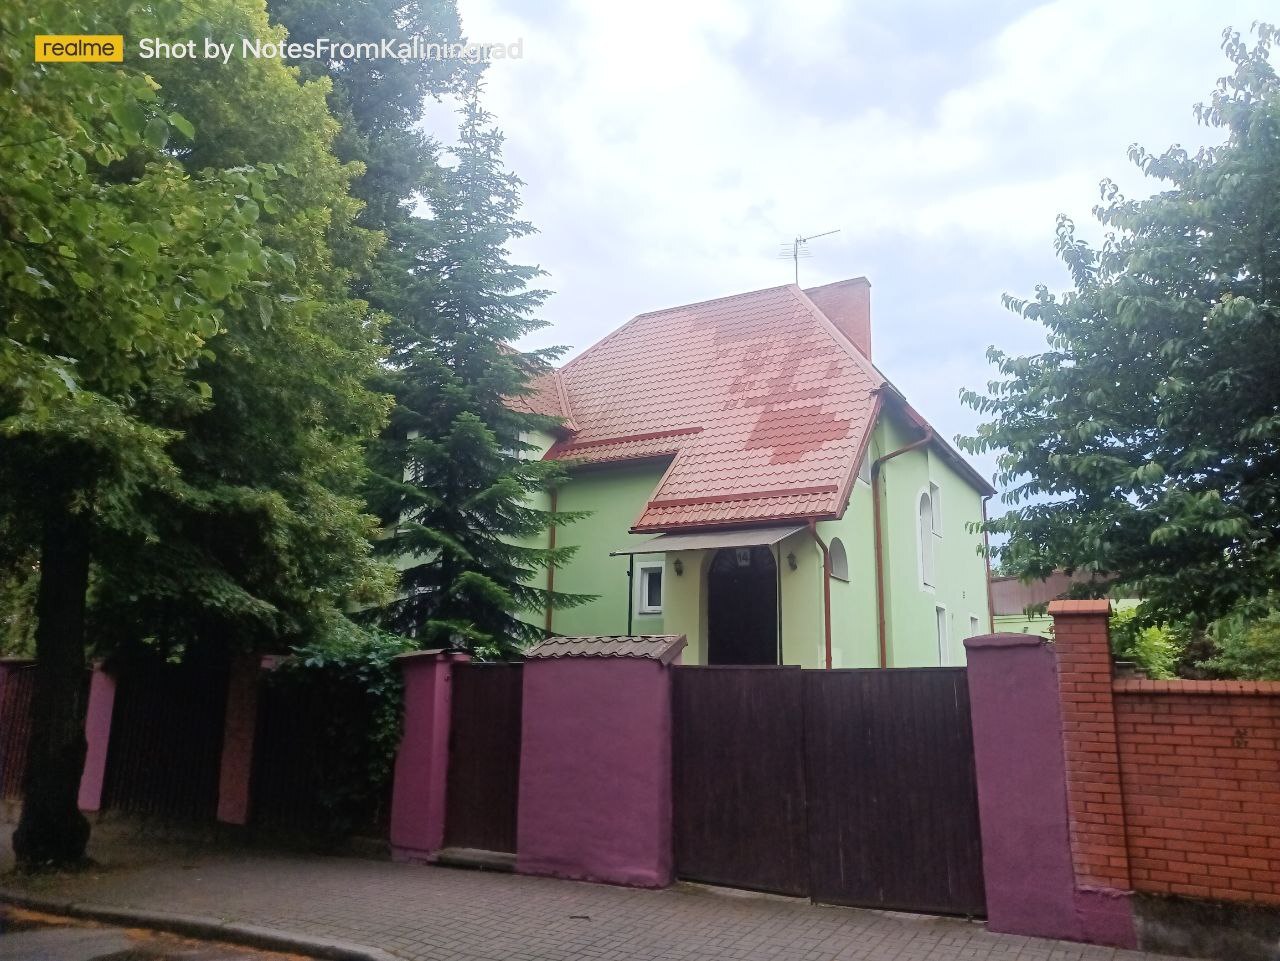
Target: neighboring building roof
{"type": "Point", "coordinates": [764, 404]}
{"type": "Point", "coordinates": [657, 647]}
{"type": "Point", "coordinates": [1009, 595]}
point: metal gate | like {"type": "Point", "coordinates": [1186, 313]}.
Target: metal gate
{"type": "Point", "coordinates": [484, 757]}
{"type": "Point", "coordinates": [853, 787]}
{"type": "Point", "coordinates": [739, 777]}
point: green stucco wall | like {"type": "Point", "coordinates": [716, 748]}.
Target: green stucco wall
{"type": "Point", "coordinates": [614, 496]}
{"type": "Point", "coordinates": [961, 576]}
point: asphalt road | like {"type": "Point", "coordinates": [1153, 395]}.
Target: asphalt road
{"type": "Point", "coordinates": [27, 936]}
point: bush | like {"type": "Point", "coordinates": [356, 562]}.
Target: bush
{"type": "Point", "coordinates": [352, 678]}
{"type": "Point", "coordinates": [1155, 649]}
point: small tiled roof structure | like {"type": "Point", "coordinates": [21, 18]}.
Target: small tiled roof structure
{"type": "Point", "coordinates": [763, 402]}
{"type": "Point", "coordinates": [663, 648]}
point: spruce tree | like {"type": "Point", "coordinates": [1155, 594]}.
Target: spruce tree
{"type": "Point", "coordinates": [450, 481]}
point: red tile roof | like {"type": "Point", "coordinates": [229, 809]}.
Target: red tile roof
{"type": "Point", "coordinates": [546, 396]}
{"type": "Point", "coordinates": [762, 403]}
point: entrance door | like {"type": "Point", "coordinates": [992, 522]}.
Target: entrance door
{"type": "Point", "coordinates": [742, 607]}
{"type": "Point", "coordinates": [484, 757]}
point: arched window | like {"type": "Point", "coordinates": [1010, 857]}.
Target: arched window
{"type": "Point", "coordinates": [839, 559]}
{"type": "Point", "coordinates": [925, 519]}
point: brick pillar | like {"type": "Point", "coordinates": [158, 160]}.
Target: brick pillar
{"type": "Point", "coordinates": [422, 762]}
{"type": "Point", "coordinates": [97, 732]}
{"type": "Point", "coordinates": [239, 735]}
{"type": "Point", "coordinates": [1095, 799]}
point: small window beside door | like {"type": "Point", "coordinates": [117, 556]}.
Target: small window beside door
{"type": "Point", "coordinates": [649, 589]}
{"type": "Point", "coordinates": [839, 560]}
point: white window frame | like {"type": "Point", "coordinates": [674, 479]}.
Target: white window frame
{"type": "Point", "coordinates": [943, 629]}
{"type": "Point", "coordinates": [935, 508]}
{"type": "Point", "coordinates": [975, 625]}
{"type": "Point", "coordinates": [926, 544]}
{"type": "Point", "coordinates": [643, 570]}
{"type": "Point", "coordinates": [840, 575]}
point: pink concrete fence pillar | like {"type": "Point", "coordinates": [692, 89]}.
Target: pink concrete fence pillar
{"type": "Point", "coordinates": [422, 762]}
{"type": "Point", "coordinates": [97, 732]}
{"type": "Point", "coordinates": [1022, 786]}
{"type": "Point", "coordinates": [239, 735]}
{"type": "Point", "coordinates": [595, 764]}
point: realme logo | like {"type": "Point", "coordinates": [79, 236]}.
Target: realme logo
{"type": "Point", "coordinates": [82, 48]}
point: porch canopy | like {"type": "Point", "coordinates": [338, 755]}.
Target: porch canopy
{"type": "Point", "coordinates": [711, 540]}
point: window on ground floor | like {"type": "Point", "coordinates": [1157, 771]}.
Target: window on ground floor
{"type": "Point", "coordinates": [650, 589]}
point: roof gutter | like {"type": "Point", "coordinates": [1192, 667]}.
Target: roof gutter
{"type": "Point", "coordinates": [826, 589]}
{"type": "Point", "coordinates": [881, 623]}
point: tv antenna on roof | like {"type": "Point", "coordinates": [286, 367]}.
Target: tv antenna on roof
{"type": "Point", "coordinates": [797, 249]}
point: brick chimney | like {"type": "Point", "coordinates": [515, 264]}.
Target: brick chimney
{"type": "Point", "coordinates": [847, 304]}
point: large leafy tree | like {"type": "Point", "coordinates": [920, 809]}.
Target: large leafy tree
{"type": "Point", "coordinates": [267, 542]}
{"type": "Point", "coordinates": [1144, 442]}
{"type": "Point", "coordinates": [183, 375]}
{"type": "Point", "coordinates": [450, 480]}
{"type": "Point", "coordinates": [116, 270]}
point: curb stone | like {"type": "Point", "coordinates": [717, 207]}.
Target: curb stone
{"type": "Point", "coordinates": [201, 927]}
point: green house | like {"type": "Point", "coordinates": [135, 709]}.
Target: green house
{"type": "Point", "coordinates": [757, 484]}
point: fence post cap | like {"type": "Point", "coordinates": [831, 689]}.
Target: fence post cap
{"type": "Point", "coordinates": [435, 654]}
{"type": "Point", "coordinates": [1004, 639]}
{"type": "Point", "coordinates": [1066, 608]}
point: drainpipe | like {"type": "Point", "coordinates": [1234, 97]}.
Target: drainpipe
{"type": "Point", "coordinates": [882, 633]}
{"type": "Point", "coordinates": [986, 555]}
{"type": "Point", "coordinates": [551, 568]}
{"type": "Point", "coordinates": [631, 589]}
{"type": "Point", "coordinates": [826, 588]}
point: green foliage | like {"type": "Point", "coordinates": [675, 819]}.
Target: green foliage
{"type": "Point", "coordinates": [1155, 649]}
{"type": "Point", "coordinates": [1144, 443]}
{"type": "Point", "coordinates": [449, 476]}
{"type": "Point", "coordinates": [265, 536]}
{"type": "Point", "coordinates": [117, 266]}
{"type": "Point", "coordinates": [353, 671]}
{"type": "Point", "coordinates": [1248, 650]}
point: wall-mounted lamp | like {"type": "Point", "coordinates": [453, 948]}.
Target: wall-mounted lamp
{"type": "Point", "coordinates": [791, 560]}
{"type": "Point", "coordinates": [678, 567]}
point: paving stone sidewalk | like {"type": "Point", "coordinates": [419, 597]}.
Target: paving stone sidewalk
{"type": "Point", "coordinates": [443, 914]}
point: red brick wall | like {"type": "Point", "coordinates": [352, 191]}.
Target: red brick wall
{"type": "Point", "coordinates": [1173, 787]}
{"type": "Point", "coordinates": [1200, 766]}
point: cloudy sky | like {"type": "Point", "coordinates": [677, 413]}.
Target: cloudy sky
{"type": "Point", "coordinates": [670, 148]}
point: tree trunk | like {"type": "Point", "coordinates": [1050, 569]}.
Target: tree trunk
{"type": "Point", "coordinates": [51, 830]}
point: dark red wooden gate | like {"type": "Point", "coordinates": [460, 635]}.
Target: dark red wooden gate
{"type": "Point", "coordinates": [15, 729]}
{"type": "Point", "coordinates": [853, 787]}
{"type": "Point", "coordinates": [739, 779]}
{"type": "Point", "coordinates": [484, 757]}
{"type": "Point", "coordinates": [892, 795]}
{"type": "Point", "coordinates": [166, 740]}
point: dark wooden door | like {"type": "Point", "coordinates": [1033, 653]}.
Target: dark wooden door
{"type": "Point", "coordinates": [892, 795]}
{"type": "Point", "coordinates": [484, 757]}
{"type": "Point", "coordinates": [742, 607]}
{"type": "Point", "coordinates": [738, 786]}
